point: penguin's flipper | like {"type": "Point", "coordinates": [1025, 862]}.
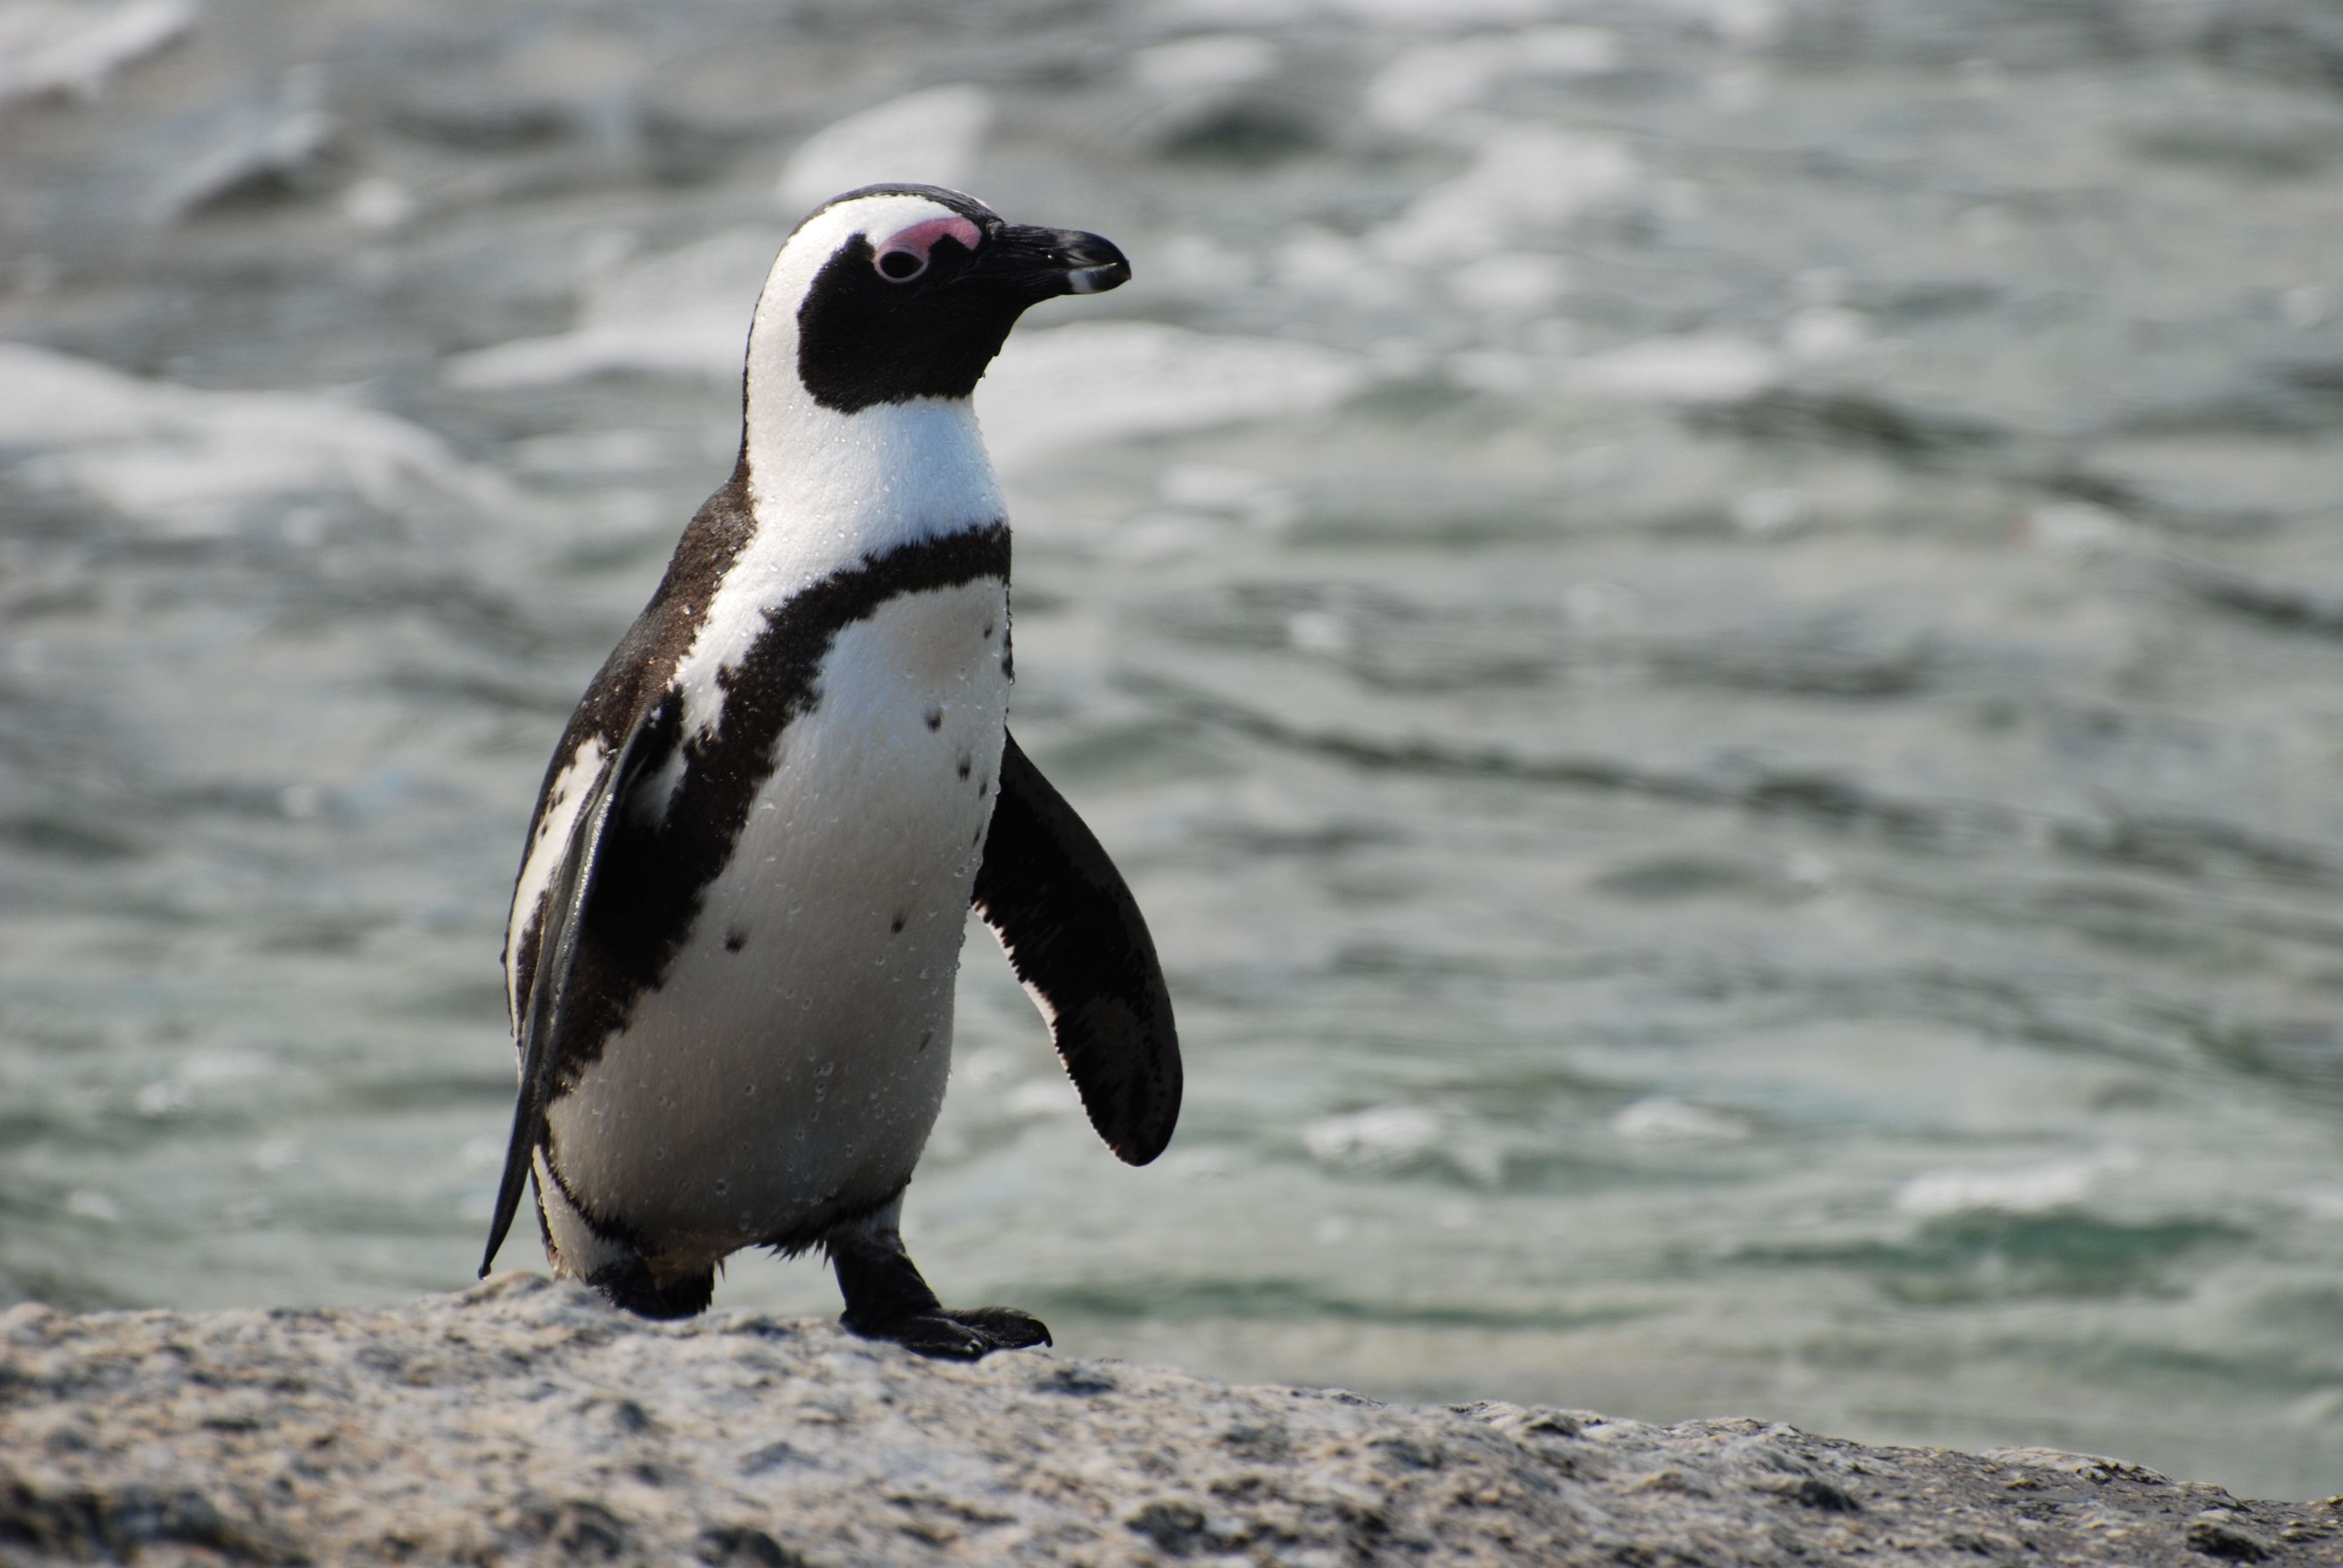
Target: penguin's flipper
{"type": "Point", "coordinates": [1075, 937]}
{"type": "Point", "coordinates": [548, 985]}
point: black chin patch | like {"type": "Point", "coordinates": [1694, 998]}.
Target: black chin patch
{"type": "Point", "coordinates": [863, 341]}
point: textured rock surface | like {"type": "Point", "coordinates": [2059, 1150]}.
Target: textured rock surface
{"type": "Point", "coordinates": [524, 1421]}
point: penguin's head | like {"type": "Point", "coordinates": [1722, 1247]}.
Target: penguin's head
{"type": "Point", "coordinates": [892, 293]}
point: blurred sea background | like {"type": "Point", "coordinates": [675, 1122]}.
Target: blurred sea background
{"type": "Point", "coordinates": [1709, 629]}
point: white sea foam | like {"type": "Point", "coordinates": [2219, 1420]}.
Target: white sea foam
{"type": "Point", "coordinates": [1825, 332]}
{"type": "Point", "coordinates": [1164, 536]}
{"type": "Point", "coordinates": [77, 49]}
{"type": "Point", "coordinates": [379, 203]}
{"type": "Point", "coordinates": [1807, 872]}
{"type": "Point", "coordinates": [1763, 514]}
{"type": "Point", "coordinates": [1199, 264]}
{"type": "Point", "coordinates": [927, 137]}
{"type": "Point", "coordinates": [1598, 606]}
{"type": "Point", "coordinates": [2030, 1190]}
{"type": "Point", "coordinates": [1511, 282]}
{"type": "Point", "coordinates": [2306, 306]}
{"type": "Point", "coordinates": [1209, 1163]}
{"type": "Point", "coordinates": [2074, 529]}
{"type": "Point", "coordinates": [1695, 368]}
{"type": "Point", "coordinates": [1440, 14]}
{"type": "Point", "coordinates": [1525, 179]}
{"type": "Point", "coordinates": [1496, 370]}
{"type": "Point", "coordinates": [2325, 1203]}
{"type": "Point", "coordinates": [682, 312]}
{"type": "Point", "coordinates": [217, 1066]}
{"type": "Point", "coordinates": [210, 1069]}
{"type": "Point", "coordinates": [1318, 631]}
{"type": "Point", "coordinates": [186, 461]}
{"type": "Point", "coordinates": [1042, 1096]}
{"type": "Point", "coordinates": [1746, 23]}
{"type": "Point", "coordinates": [1317, 260]}
{"type": "Point", "coordinates": [89, 1203]}
{"type": "Point", "coordinates": [1664, 1121]}
{"type": "Point", "coordinates": [1424, 90]}
{"type": "Point", "coordinates": [1217, 487]}
{"type": "Point", "coordinates": [989, 1064]}
{"type": "Point", "coordinates": [285, 138]}
{"type": "Point", "coordinates": [1386, 1135]}
{"type": "Point", "coordinates": [167, 1098]}
{"type": "Point", "coordinates": [1218, 60]}
{"type": "Point", "coordinates": [284, 144]}
{"type": "Point", "coordinates": [1103, 380]}
{"type": "Point", "coordinates": [587, 452]}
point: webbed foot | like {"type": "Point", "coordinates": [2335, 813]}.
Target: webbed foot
{"type": "Point", "coordinates": [965, 1335]}
{"type": "Point", "coordinates": [886, 1299]}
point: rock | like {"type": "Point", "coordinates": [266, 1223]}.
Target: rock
{"type": "Point", "coordinates": [526, 1422]}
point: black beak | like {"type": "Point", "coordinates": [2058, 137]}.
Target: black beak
{"type": "Point", "coordinates": [1042, 263]}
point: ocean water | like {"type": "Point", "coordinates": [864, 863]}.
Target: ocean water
{"type": "Point", "coordinates": [1709, 629]}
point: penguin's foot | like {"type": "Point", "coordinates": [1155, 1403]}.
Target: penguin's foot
{"type": "Point", "coordinates": [965, 1335]}
{"type": "Point", "coordinates": [628, 1285]}
{"type": "Point", "coordinates": [886, 1299]}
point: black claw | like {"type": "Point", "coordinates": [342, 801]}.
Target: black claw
{"type": "Point", "coordinates": [1009, 1329]}
{"type": "Point", "coordinates": [938, 1337]}
{"type": "Point", "coordinates": [959, 1336]}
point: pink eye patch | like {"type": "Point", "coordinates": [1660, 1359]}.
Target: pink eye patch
{"type": "Point", "coordinates": [903, 255]}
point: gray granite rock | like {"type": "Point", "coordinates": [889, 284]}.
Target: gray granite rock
{"type": "Point", "coordinates": [524, 1421]}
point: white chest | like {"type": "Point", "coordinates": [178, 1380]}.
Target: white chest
{"type": "Point", "coordinates": [794, 1059]}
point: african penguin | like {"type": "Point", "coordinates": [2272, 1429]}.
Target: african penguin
{"type": "Point", "coordinates": [739, 915]}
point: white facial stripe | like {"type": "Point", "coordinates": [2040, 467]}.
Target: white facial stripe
{"type": "Point", "coordinates": [854, 487]}
{"type": "Point", "coordinates": [809, 249]}
{"type": "Point", "coordinates": [827, 488]}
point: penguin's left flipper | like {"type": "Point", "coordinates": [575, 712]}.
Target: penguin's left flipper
{"type": "Point", "coordinates": [1075, 937]}
{"type": "Point", "coordinates": [549, 987]}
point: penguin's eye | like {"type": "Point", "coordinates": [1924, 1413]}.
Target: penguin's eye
{"type": "Point", "coordinates": [904, 256]}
